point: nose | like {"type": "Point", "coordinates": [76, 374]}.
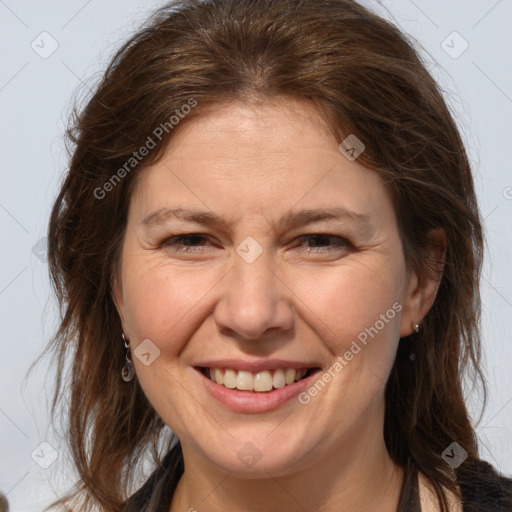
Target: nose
{"type": "Point", "coordinates": [255, 301]}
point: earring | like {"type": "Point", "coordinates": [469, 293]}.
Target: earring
{"type": "Point", "coordinates": [127, 373]}
{"type": "Point", "coordinates": [416, 329]}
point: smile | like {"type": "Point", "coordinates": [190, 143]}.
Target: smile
{"type": "Point", "coordinates": [255, 390]}
{"type": "Point", "coordinates": [259, 382]}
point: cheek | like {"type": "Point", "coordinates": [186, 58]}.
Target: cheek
{"type": "Point", "coordinates": [359, 301]}
{"type": "Point", "coordinates": [343, 305]}
{"type": "Point", "coordinates": [162, 302]}
{"type": "Point", "coordinates": [356, 311]}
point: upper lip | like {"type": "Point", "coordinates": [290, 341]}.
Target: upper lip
{"type": "Point", "coordinates": [255, 366]}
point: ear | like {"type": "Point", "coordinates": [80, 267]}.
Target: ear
{"type": "Point", "coordinates": [422, 286]}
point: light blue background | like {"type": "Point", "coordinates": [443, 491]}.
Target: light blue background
{"type": "Point", "coordinates": [35, 95]}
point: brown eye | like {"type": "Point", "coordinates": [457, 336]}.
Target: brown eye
{"type": "Point", "coordinates": [185, 243]}
{"type": "Point", "coordinates": [320, 241]}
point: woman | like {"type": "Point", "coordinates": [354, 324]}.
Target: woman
{"type": "Point", "coordinates": [268, 241]}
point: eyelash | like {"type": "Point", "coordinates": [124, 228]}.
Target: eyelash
{"type": "Point", "coordinates": [339, 242]}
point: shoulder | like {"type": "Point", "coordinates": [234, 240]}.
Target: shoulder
{"type": "Point", "coordinates": [428, 497]}
{"type": "Point", "coordinates": [484, 489]}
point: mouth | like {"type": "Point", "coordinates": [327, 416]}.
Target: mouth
{"type": "Point", "coordinates": [253, 387]}
{"type": "Point", "coordinates": [263, 381]}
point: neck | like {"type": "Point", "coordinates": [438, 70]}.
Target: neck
{"type": "Point", "coordinates": [356, 476]}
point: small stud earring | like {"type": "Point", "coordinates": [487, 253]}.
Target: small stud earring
{"type": "Point", "coordinates": [416, 329]}
{"type": "Point", "coordinates": [128, 372]}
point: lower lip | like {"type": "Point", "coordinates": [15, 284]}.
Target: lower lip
{"type": "Point", "coordinates": [254, 401]}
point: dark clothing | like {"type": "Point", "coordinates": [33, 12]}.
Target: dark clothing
{"type": "Point", "coordinates": [482, 489]}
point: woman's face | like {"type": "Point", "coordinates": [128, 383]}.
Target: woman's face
{"type": "Point", "coordinates": [294, 262]}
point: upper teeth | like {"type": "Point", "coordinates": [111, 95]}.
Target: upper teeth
{"type": "Point", "coordinates": [260, 381]}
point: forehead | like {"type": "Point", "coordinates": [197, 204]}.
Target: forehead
{"type": "Point", "coordinates": [280, 128]}
{"type": "Point", "coordinates": [269, 156]}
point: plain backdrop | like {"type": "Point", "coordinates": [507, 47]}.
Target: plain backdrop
{"type": "Point", "coordinates": [50, 48]}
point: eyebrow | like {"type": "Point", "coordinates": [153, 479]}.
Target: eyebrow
{"type": "Point", "coordinates": [288, 220]}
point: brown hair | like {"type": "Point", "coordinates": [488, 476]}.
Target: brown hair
{"type": "Point", "coordinates": [368, 80]}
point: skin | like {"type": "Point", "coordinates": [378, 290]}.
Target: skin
{"type": "Point", "coordinates": [251, 164]}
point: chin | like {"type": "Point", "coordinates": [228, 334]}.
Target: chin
{"type": "Point", "coordinates": [257, 456]}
